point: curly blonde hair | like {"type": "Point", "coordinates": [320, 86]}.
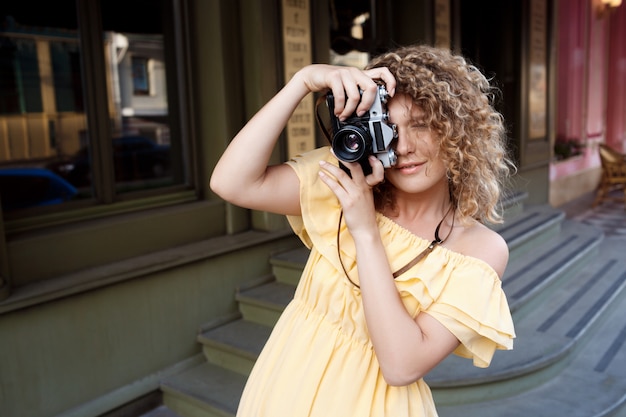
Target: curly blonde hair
{"type": "Point", "coordinates": [457, 101]}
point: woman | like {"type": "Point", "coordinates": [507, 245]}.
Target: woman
{"type": "Point", "coordinates": [402, 270]}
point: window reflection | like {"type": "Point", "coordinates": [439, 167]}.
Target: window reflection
{"type": "Point", "coordinates": [30, 187]}
{"type": "Point", "coordinates": [44, 134]}
{"type": "Point", "coordinates": [143, 144]}
{"type": "Point", "coordinates": [42, 118]}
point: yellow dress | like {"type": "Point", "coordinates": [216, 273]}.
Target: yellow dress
{"type": "Point", "coordinates": [319, 360]}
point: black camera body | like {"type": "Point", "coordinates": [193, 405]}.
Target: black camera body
{"type": "Point", "coordinates": [356, 138]}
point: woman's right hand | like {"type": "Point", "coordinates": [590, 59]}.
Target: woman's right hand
{"type": "Point", "coordinates": [345, 83]}
{"type": "Point", "coordinates": [256, 185]}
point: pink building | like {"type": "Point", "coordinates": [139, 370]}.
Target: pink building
{"type": "Point", "coordinates": [591, 93]}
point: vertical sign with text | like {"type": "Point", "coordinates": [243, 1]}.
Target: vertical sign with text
{"type": "Point", "coordinates": [297, 54]}
{"type": "Point", "coordinates": [442, 24]}
{"type": "Point", "coordinates": [538, 73]}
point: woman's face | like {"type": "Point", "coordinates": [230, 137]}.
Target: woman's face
{"type": "Point", "coordinates": [419, 168]}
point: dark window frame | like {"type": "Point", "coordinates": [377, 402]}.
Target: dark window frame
{"type": "Point", "coordinates": [116, 228]}
{"type": "Point", "coordinates": [106, 192]}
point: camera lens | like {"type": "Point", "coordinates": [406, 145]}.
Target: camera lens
{"type": "Point", "coordinates": [351, 143]}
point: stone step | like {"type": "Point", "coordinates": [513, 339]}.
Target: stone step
{"type": "Point", "coordinates": [560, 288]}
{"type": "Point", "coordinates": [512, 204]}
{"type": "Point", "coordinates": [592, 385]}
{"type": "Point", "coordinates": [263, 304]}
{"type": "Point", "coordinates": [546, 337]}
{"type": "Point", "coordinates": [529, 228]}
{"type": "Point", "coordinates": [529, 277]}
{"type": "Point", "coordinates": [207, 390]}
{"type": "Point", "coordinates": [287, 266]}
{"type": "Point", "coordinates": [234, 345]}
{"type": "Point", "coordinates": [160, 411]}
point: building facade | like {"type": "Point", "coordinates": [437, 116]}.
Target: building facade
{"type": "Point", "coordinates": [590, 82]}
{"type": "Point", "coordinates": [113, 250]}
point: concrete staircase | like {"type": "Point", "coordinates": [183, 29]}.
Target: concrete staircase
{"type": "Point", "coordinates": [565, 284]}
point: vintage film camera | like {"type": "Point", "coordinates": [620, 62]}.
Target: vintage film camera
{"type": "Point", "coordinates": [354, 139]}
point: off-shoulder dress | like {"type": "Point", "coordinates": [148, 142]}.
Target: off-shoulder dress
{"type": "Point", "coordinates": [319, 360]}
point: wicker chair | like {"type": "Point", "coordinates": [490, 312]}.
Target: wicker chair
{"type": "Point", "coordinates": [613, 176]}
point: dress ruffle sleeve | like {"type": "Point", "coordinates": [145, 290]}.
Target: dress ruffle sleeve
{"type": "Point", "coordinates": [473, 306]}
{"type": "Point", "coordinates": [317, 225]}
{"type": "Point", "coordinates": [461, 292]}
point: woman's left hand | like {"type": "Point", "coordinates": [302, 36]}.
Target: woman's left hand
{"type": "Point", "coordinates": [355, 193]}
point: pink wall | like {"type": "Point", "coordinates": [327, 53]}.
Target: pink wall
{"type": "Point", "coordinates": [571, 68]}
{"type": "Point", "coordinates": [616, 111]}
{"type": "Point", "coordinates": [597, 70]}
{"type": "Point", "coordinates": [591, 82]}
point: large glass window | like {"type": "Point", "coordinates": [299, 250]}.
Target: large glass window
{"type": "Point", "coordinates": [65, 142]}
{"type": "Point", "coordinates": [146, 148]}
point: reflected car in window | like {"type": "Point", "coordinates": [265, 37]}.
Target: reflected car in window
{"type": "Point", "coordinates": [30, 187]}
{"type": "Point", "coordinates": [134, 158]}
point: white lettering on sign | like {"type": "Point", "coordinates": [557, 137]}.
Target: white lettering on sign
{"type": "Point", "coordinates": [297, 43]}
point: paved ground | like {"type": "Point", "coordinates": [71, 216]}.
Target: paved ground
{"type": "Point", "coordinates": [610, 217]}
{"type": "Point", "coordinates": [573, 391]}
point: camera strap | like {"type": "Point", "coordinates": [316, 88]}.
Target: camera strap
{"type": "Point", "coordinates": [320, 122]}
{"type": "Point", "coordinates": [414, 261]}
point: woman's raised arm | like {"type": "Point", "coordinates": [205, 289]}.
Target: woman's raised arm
{"type": "Point", "coordinates": [242, 175]}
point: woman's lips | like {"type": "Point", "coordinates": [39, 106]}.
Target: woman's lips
{"type": "Point", "coordinates": [409, 167]}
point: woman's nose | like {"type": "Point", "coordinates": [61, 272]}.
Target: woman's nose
{"type": "Point", "coordinates": [404, 145]}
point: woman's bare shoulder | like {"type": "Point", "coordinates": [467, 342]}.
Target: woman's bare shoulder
{"type": "Point", "coordinates": [478, 241]}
